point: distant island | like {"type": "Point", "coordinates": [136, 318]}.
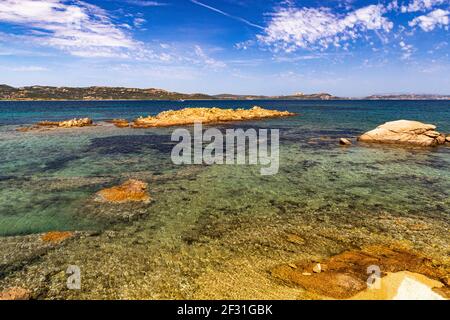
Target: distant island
{"type": "Point", "coordinates": [121, 93]}
{"type": "Point", "coordinates": [410, 96]}
{"type": "Point", "coordinates": [49, 93]}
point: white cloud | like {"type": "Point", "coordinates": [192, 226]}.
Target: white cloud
{"type": "Point", "coordinates": [26, 69]}
{"type": "Point", "coordinates": [308, 28]}
{"type": "Point", "coordinates": [244, 45]}
{"type": "Point", "coordinates": [139, 22]}
{"type": "Point", "coordinates": [407, 50]}
{"type": "Point", "coordinates": [77, 27]}
{"type": "Point", "coordinates": [392, 5]}
{"type": "Point", "coordinates": [204, 59]}
{"type": "Point", "coordinates": [421, 5]}
{"type": "Point", "coordinates": [432, 20]}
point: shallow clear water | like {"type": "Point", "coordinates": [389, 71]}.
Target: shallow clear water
{"type": "Point", "coordinates": [48, 179]}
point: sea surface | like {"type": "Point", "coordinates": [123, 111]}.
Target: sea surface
{"type": "Point", "coordinates": [46, 178]}
{"type": "Point", "coordinates": [213, 231]}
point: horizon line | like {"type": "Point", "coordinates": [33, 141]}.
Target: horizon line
{"type": "Point", "coordinates": [235, 94]}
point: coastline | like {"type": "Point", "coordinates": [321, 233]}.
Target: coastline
{"type": "Point", "coordinates": [217, 100]}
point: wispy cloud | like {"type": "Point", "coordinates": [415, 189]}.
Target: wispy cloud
{"type": "Point", "coordinates": [204, 59]}
{"type": "Point", "coordinates": [78, 28]}
{"type": "Point", "coordinates": [292, 59]}
{"type": "Point", "coordinates": [143, 3]}
{"type": "Point", "coordinates": [227, 14]}
{"type": "Point", "coordinates": [25, 69]}
{"type": "Point", "coordinates": [292, 28]}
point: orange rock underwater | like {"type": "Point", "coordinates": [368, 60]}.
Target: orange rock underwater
{"type": "Point", "coordinates": [56, 236]}
{"type": "Point", "coordinates": [15, 293]}
{"type": "Point", "coordinates": [131, 190]}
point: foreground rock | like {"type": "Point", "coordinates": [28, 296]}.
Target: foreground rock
{"type": "Point", "coordinates": [206, 115]}
{"type": "Point", "coordinates": [345, 275]}
{"type": "Point", "coordinates": [403, 285]}
{"type": "Point", "coordinates": [404, 132]}
{"type": "Point", "coordinates": [131, 190]}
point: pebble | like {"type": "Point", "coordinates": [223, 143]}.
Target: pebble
{"type": "Point", "coordinates": [317, 268]}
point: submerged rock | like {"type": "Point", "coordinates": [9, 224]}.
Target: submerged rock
{"type": "Point", "coordinates": [206, 115]}
{"type": "Point", "coordinates": [120, 123]}
{"type": "Point", "coordinates": [56, 236]}
{"type": "Point", "coordinates": [131, 190]}
{"type": "Point", "coordinates": [24, 129]}
{"type": "Point", "coordinates": [345, 142]}
{"type": "Point", "coordinates": [404, 132]}
{"type": "Point", "coordinates": [317, 268]}
{"type": "Point", "coordinates": [19, 251]}
{"type": "Point", "coordinates": [15, 293]}
{"type": "Point", "coordinates": [296, 239]}
{"type": "Point", "coordinates": [346, 274]}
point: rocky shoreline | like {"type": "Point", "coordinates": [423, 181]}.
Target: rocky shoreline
{"type": "Point", "coordinates": [400, 132]}
{"type": "Point", "coordinates": [171, 118]}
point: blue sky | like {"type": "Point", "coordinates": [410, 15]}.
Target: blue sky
{"type": "Point", "coordinates": [347, 47]}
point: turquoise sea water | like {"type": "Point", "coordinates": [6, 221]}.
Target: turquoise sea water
{"type": "Point", "coordinates": [48, 179]}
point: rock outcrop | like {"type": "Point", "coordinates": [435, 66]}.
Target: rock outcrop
{"type": "Point", "coordinates": [82, 122]}
{"type": "Point", "coordinates": [45, 125]}
{"type": "Point", "coordinates": [131, 190]}
{"type": "Point", "coordinates": [206, 115]}
{"type": "Point", "coordinates": [404, 132]}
